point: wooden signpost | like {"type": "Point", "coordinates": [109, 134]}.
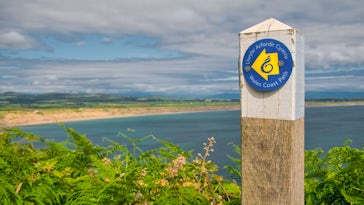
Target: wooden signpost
{"type": "Point", "coordinates": [271, 75]}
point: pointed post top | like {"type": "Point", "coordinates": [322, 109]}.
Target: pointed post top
{"type": "Point", "coordinates": [271, 24]}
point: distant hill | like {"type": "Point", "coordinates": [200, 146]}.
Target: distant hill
{"type": "Point", "coordinates": [225, 96]}
{"type": "Point", "coordinates": [53, 100]}
{"type": "Point", "coordinates": [70, 100]}
{"type": "Point", "coordinates": [311, 95]}
{"type": "Point", "coordinates": [334, 95]}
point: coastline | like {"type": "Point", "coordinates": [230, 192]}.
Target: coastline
{"type": "Point", "coordinates": [333, 104]}
{"type": "Point", "coordinates": [36, 117]}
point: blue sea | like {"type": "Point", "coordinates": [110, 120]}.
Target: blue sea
{"type": "Point", "coordinates": [325, 127]}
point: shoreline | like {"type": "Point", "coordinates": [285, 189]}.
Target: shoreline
{"type": "Point", "coordinates": [39, 117]}
{"type": "Point", "coordinates": [333, 104]}
{"type": "Point", "coordinates": [121, 116]}
{"type": "Point", "coordinates": [29, 118]}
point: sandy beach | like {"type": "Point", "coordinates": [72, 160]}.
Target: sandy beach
{"type": "Point", "coordinates": [333, 104]}
{"type": "Point", "coordinates": [34, 117]}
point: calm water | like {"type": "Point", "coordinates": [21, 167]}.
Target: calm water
{"type": "Point", "coordinates": [325, 127]}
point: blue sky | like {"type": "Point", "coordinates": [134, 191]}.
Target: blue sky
{"type": "Point", "coordinates": [171, 48]}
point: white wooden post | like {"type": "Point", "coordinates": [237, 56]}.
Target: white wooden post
{"type": "Point", "coordinates": [271, 74]}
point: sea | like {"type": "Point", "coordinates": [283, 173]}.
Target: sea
{"type": "Point", "coordinates": [325, 127]}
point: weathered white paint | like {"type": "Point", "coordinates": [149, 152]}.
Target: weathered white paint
{"type": "Point", "coordinates": [286, 103]}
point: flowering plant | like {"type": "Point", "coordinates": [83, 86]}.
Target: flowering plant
{"type": "Point", "coordinates": [80, 172]}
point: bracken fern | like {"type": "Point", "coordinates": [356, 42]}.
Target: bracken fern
{"type": "Point", "coordinates": [39, 171]}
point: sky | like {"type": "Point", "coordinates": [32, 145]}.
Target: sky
{"type": "Point", "coordinates": [172, 48]}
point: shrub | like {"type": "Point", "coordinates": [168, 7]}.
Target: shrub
{"type": "Point", "coordinates": [334, 178]}
{"type": "Point", "coordinates": [35, 170]}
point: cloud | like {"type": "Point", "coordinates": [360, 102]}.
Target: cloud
{"type": "Point", "coordinates": [16, 40]}
{"type": "Point", "coordinates": [196, 27]}
{"type": "Point", "coordinates": [106, 40]}
{"type": "Point", "coordinates": [347, 79]}
{"type": "Point", "coordinates": [334, 46]}
{"type": "Point", "coordinates": [174, 77]}
{"type": "Point", "coordinates": [80, 43]}
{"type": "Point", "coordinates": [188, 46]}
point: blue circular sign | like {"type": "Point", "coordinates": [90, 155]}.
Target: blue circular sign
{"type": "Point", "coordinates": [267, 65]}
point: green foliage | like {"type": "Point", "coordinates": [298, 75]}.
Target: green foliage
{"type": "Point", "coordinates": [335, 178]}
{"type": "Point", "coordinates": [235, 168]}
{"type": "Point", "coordinates": [38, 171]}
{"type": "Point", "coordinates": [182, 196]}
